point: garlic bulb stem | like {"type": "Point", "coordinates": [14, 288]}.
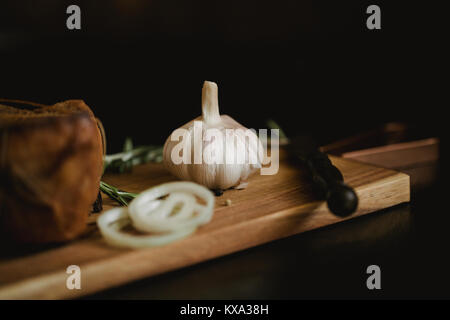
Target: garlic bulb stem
{"type": "Point", "coordinates": [210, 103]}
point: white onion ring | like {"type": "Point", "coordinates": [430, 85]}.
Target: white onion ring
{"type": "Point", "coordinates": [148, 213]}
{"type": "Point", "coordinates": [150, 218]}
{"type": "Point", "coordinates": [111, 221]}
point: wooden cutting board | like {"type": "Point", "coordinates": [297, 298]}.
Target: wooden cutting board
{"type": "Point", "coordinates": [272, 207]}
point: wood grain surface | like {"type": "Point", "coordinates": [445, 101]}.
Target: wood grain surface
{"type": "Point", "coordinates": [272, 207]}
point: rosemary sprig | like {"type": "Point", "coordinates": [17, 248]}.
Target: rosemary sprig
{"type": "Point", "coordinates": [120, 196]}
{"type": "Point", "coordinates": [124, 162]}
{"type": "Point", "coordinates": [273, 125]}
{"type": "Point", "coordinates": [130, 157]}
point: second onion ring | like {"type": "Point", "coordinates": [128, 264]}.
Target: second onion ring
{"type": "Point", "coordinates": [161, 218]}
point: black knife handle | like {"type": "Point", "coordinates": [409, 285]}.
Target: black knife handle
{"type": "Point", "coordinates": [328, 182]}
{"type": "Point", "coordinates": [341, 199]}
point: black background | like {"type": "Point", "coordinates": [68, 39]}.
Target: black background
{"type": "Point", "coordinates": [311, 65]}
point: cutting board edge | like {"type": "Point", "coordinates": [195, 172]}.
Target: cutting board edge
{"type": "Point", "coordinates": [52, 281]}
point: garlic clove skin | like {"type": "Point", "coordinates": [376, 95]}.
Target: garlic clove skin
{"type": "Point", "coordinates": [213, 174]}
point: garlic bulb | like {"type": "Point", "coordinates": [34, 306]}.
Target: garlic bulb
{"type": "Point", "coordinates": [213, 150]}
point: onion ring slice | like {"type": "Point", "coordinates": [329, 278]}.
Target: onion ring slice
{"type": "Point", "coordinates": [172, 218]}
{"type": "Point", "coordinates": [148, 217]}
{"type": "Point", "coordinates": [111, 221]}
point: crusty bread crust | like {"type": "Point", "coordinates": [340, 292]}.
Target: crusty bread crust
{"type": "Point", "coordinates": [51, 161]}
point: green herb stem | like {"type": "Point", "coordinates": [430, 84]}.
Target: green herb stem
{"type": "Point", "coordinates": [124, 161]}
{"type": "Point", "coordinates": [120, 196]}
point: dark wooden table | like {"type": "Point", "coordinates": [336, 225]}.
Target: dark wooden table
{"type": "Point", "coordinates": [408, 242]}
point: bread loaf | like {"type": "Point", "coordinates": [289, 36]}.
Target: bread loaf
{"type": "Point", "coordinates": [51, 160]}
